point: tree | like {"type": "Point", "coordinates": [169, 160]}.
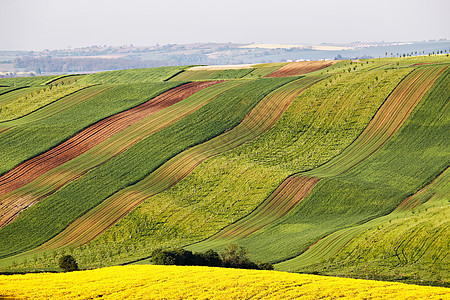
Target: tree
{"type": "Point", "coordinates": [234, 256]}
{"type": "Point", "coordinates": [67, 263]}
{"type": "Point", "coordinates": [210, 258]}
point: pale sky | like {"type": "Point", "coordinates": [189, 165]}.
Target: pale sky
{"type": "Point", "coordinates": [59, 24]}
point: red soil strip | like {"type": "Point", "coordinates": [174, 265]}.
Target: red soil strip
{"type": "Point", "coordinates": [293, 190]}
{"type": "Point", "coordinates": [386, 122]}
{"type": "Point", "coordinates": [114, 208]}
{"type": "Point", "coordinates": [420, 197]}
{"type": "Point", "coordinates": [300, 68]}
{"type": "Point", "coordinates": [93, 135]}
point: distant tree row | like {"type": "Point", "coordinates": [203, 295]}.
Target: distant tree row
{"type": "Point", "coordinates": [386, 54]}
{"type": "Point", "coordinates": [233, 256]}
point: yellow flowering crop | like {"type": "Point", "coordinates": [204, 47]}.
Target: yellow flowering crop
{"type": "Point", "coordinates": [176, 282]}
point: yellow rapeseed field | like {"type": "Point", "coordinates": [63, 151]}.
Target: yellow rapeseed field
{"type": "Point", "coordinates": [174, 282]}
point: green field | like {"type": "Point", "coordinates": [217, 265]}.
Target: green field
{"type": "Point", "coordinates": [46, 218]}
{"type": "Point", "coordinates": [342, 171]}
{"type": "Point", "coordinates": [211, 205]}
{"type": "Point", "coordinates": [27, 140]}
{"type": "Point", "coordinates": [363, 192]}
{"type": "Point", "coordinates": [132, 76]}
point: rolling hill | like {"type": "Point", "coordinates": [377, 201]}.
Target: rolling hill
{"type": "Point", "coordinates": [327, 167]}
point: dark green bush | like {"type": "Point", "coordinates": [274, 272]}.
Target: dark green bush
{"type": "Point", "coordinates": [232, 257]}
{"type": "Point", "coordinates": [68, 263]}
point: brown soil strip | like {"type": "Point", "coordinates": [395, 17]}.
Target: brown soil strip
{"type": "Point", "coordinates": [293, 190]}
{"type": "Point", "coordinates": [300, 68]}
{"type": "Point", "coordinates": [93, 135]}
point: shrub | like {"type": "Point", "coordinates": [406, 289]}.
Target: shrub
{"type": "Point", "coordinates": [67, 263]}
{"type": "Point", "coordinates": [233, 256]}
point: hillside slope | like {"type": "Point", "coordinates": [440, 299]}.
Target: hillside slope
{"type": "Point", "coordinates": [306, 171]}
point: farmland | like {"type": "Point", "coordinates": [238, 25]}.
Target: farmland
{"type": "Point", "coordinates": [332, 167]}
{"type": "Point", "coordinates": [191, 130]}
{"type": "Point", "coordinates": [366, 181]}
{"type": "Point", "coordinates": [170, 282]}
{"type": "Point", "coordinates": [210, 206]}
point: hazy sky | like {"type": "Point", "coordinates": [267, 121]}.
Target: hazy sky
{"type": "Point", "coordinates": [57, 24]}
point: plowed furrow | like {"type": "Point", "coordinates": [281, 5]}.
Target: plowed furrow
{"type": "Point", "coordinates": [111, 210]}
{"type": "Point", "coordinates": [383, 126]}
{"type": "Point", "coordinates": [299, 68]}
{"type": "Point", "coordinates": [92, 136]}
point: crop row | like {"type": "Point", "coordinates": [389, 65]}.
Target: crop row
{"type": "Point", "coordinates": [46, 218]}
{"type": "Point", "coordinates": [57, 177]}
{"type": "Point", "coordinates": [189, 75]}
{"type": "Point", "coordinates": [28, 140]}
{"type": "Point", "coordinates": [384, 124]}
{"type": "Point", "coordinates": [411, 241]}
{"type": "Point", "coordinates": [229, 186]}
{"type": "Point", "coordinates": [262, 117]}
{"type": "Point", "coordinates": [65, 79]}
{"type": "Point", "coordinates": [132, 75]}
{"type": "Point", "coordinates": [27, 81]}
{"type": "Point", "coordinates": [338, 240]}
{"type": "Point", "coordinates": [191, 282]}
{"type": "Point", "coordinates": [371, 189]}
{"type": "Point", "coordinates": [300, 68]}
{"type": "Point", "coordinates": [58, 106]}
{"type": "Point", "coordinates": [285, 198]}
{"type": "Point", "coordinates": [80, 143]}
{"type": "Point", "coordinates": [26, 104]}
{"type": "Point", "coordinates": [15, 92]}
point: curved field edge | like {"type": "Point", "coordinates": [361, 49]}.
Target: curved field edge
{"type": "Point", "coordinates": [114, 208]}
{"type": "Point", "coordinates": [26, 141]}
{"type": "Point", "coordinates": [180, 282]}
{"type": "Point", "coordinates": [19, 107]}
{"type": "Point", "coordinates": [57, 107]}
{"type": "Point", "coordinates": [80, 143]}
{"type": "Point", "coordinates": [384, 124]}
{"type": "Point", "coordinates": [15, 92]}
{"type": "Point", "coordinates": [370, 190]}
{"type": "Point", "coordinates": [408, 243]}
{"type": "Point", "coordinates": [189, 75]}
{"type": "Point", "coordinates": [158, 74]}
{"type": "Point", "coordinates": [300, 68]}
{"type": "Point", "coordinates": [45, 219]}
{"type": "Point", "coordinates": [231, 185]}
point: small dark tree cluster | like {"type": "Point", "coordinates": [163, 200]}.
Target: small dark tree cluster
{"type": "Point", "coordinates": [67, 263]}
{"type": "Point", "coordinates": [232, 257]}
{"type": "Point", "coordinates": [183, 257]}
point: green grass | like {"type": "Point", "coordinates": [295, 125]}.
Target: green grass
{"type": "Point", "coordinates": [23, 142]}
{"type": "Point", "coordinates": [113, 208]}
{"type": "Point", "coordinates": [65, 79]}
{"type": "Point", "coordinates": [371, 189]}
{"type": "Point", "coordinates": [46, 218]}
{"type": "Point", "coordinates": [27, 81]}
{"type": "Point", "coordinates": [410, 244]}
{"type": "Point", "coordinates": [24, 105]}
{"type": "Point", "coordinates": [263, 70]}
{"type": "Point", "coordinates": [7, 89]}
{"type": "Point", "coordinates": [132, 75]}
{"type": "Point", "coordinates": [229, 186]}
{"type": "Point", "coordinates": [54, 179]}
{"type": "Point", "coordinates": [19, 92]}
{"type": "Point", "coordinates": [188, 75]}
{"type": "Point", "coordinates": [58, 106]}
